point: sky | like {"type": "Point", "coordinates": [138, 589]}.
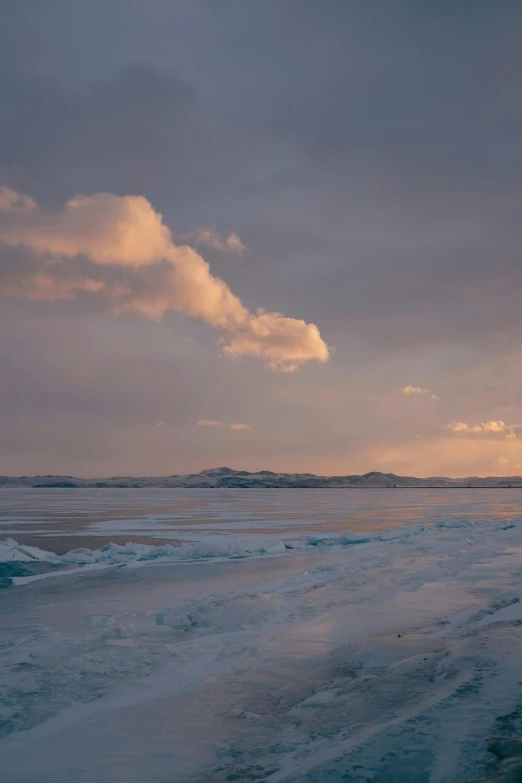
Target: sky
{"type": "Point", "coordinates": [267, 235]}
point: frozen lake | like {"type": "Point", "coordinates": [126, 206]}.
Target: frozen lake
{"type": "Point", "coordinates": [261, 635]}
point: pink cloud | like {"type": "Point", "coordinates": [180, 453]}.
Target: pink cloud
{"type": "Point", "coordinates": [126, 231]}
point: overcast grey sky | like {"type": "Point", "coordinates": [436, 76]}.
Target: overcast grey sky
{"type": "Point", "coordinates": [368, 157]}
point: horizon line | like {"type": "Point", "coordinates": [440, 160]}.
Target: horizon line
{"type": "Point", "coordinates": [225, 470]}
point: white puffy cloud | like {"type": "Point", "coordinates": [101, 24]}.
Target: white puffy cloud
{"type": "Point", "coordinates": [126, 231]}
{"type": "Point", "coordinates": [485, 428]}
{"type": "Point", "coordinates": [284, 342]}
{"type": "Point", "coordinates": [106, 228]}
{"type": "Point", "coordinates": [495, 426]}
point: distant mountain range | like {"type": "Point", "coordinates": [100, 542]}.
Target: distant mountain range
{"type": "Point", "coordinates": [243, 479]}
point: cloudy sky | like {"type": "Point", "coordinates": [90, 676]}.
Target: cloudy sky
{"type": "Point", "coordinates": [269, 235]}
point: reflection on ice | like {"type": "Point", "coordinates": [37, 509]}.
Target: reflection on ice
{"type": "Point", "coordinates": [391, 656]}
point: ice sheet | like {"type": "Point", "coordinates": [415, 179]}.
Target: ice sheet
{"type": "Point", "coordinates": [389, 657]}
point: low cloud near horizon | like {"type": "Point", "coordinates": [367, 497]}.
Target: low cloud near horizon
{"type": "Point", "coordinates": [494, 428]}
{"type": "Point", "coordinates": [217, 423]}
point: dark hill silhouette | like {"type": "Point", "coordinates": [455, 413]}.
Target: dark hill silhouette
{"type": "Point", "coordinates": [244, 479]}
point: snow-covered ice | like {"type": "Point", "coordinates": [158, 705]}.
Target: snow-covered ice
{"type": "Point", "coordinates": [384, 651]}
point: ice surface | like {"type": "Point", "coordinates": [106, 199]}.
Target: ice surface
{"type": "Point", "coordinates": [385, 655]}
{"type": "Point", "coordinates": [211, 546]}
{"type": "Point", "coordinates": [121, 554]}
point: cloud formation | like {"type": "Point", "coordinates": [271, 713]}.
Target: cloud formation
{"type": "Point", "coordinates": [42, 286]}
{"type": "Point", "coordinates": [494, 428]}
{"type": "Point", "coordinates": [125, 231]}
{"type": "Point", "coordinates": [108, 229]}
{"type": "Point", "coordinates": [240, 427]}
{"type": "Point", "coordinates": [408, 390]}
{"type": "Point", "coordinates": [211, 238]}
{"type": "Point", "coordinates": [11, 201]}
{"type": "Point", "coordinates": [418, 391]}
